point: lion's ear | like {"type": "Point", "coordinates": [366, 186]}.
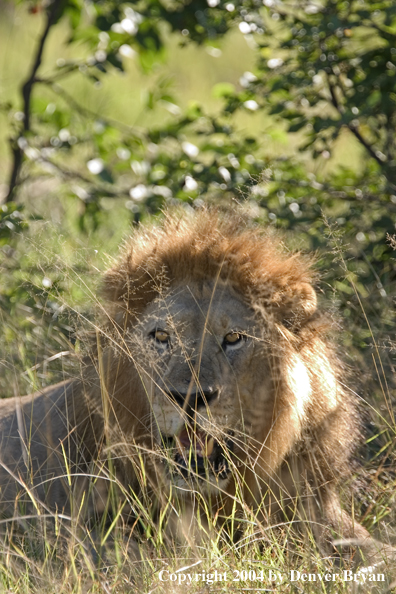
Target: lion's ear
{"type": "Point", "coordinates": [297, 306]}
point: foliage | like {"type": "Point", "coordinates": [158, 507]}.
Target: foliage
{"type": "Point", "coordinates": [324, 70]}
{"type": "Point", "coordinates": [325, 74]}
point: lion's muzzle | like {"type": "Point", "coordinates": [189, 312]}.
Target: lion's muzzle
{"type": "Point", "coordinates": [196, 454]}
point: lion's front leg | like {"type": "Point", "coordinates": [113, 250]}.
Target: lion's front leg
{"type": "Point", "coordinates": [338, 533]}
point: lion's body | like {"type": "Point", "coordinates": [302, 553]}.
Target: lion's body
{"type": "Point", "coordinates": [45, 438]}
{"type": "Point", "coordinates": [32, 428]}
{"type": "Point", "coordinates": [213, 371]}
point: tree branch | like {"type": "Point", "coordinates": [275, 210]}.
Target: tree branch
{"type": "Point", "coordinates": [26, 90]}
{"type": "Point", "coordinates": [351, 127]}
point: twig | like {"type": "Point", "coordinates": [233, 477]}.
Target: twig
{"type": "Point", "coordinates": [27, 88]}
{"type": "Point", "coordinates": [85, 111]}
{"type": "Point", "coordinates": [100, 190]}
{"type": "Point", "coordinates": [351, 127]}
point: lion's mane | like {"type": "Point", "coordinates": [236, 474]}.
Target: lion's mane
{"type": "Point", "coordinates": [278, 285]}
{"type": "Point", "coordinates": [303, 439]}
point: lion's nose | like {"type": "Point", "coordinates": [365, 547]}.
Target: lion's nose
{"type": "Point", "coordinates": [194, 399]}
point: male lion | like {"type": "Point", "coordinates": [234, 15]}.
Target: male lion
{"type": "Point", "coordinates": [212, 378]}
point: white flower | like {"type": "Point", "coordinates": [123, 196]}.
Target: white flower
{"type": "Point", "coordinates": [140, 167]}
{"type": "Point", "coordinates": [129, 26]}
{"type": "Point", "coordinates": [134, 16]}
{"type": "Point", "coordinates": [22, 143]}
{"type": "Point", "coordinates": [32, 153]}
{"type": "Point", "coordinates": [117, 28]}
{"type": "Point", "coordinates": [251, 104]}
{"type": "Point", "coordinates": [244, 27]}
{"type": "Point", "coordinates": [311, 9]}
{"type": "Point", "coordinates": [139, 192]}
{"type": "Point", "coordinates": [247, 78]}
{"type": "Point", "coordinates": [190, 149]}
{"type": "Point", "coordinates": [190, 185]}
{"type": "Point", "coordinates": [123, 153]}
{"type": "Point", "coordinates": [46, 282]}
{"type": "Point", "coordinates": [225, 174]}
{"type": "Point", "coordinates": [64, 134]}
{"type": "Point", "coordinates": [274, 62]}
{"type": "Point", "coordinates": [126, 51]}
{"type": "Point", "coordinates": [95, 166]}
{"type": "Point", "coordinates": [100, 55]}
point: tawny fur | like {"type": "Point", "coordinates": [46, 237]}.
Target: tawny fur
{"type": "Point", "coordinates": [299, 446]}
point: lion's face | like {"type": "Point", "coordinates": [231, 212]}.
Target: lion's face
{"type": "Point", "coordinates": [199, 347]}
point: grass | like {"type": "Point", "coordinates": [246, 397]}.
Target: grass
{"type": "Point", "coordinates": [62, 556]}
{"type": "Point", "coordinates": [49, 552]}
{"type": "Point", "coordinates": [37, 323]}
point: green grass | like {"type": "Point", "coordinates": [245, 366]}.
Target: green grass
{"type": "Point", "coordinates": [59, 555]}
{"type": "Point", "coordinates": [55, 555]}
{"type": "Point", "coordinates": [66, 556]}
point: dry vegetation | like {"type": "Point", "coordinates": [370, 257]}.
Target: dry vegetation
{"type": "Point", "coordinates": [44, 552]}
{"type": "Point", "coordinates": [340, 207]}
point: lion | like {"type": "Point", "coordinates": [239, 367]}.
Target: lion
{"type": "Point", "coordinates": [211, 377]}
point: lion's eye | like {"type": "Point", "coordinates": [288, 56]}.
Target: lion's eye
{"type": "Point", "coordinates": [160, 336]}
{"type": "Point", "coordinates": [233, 338]}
